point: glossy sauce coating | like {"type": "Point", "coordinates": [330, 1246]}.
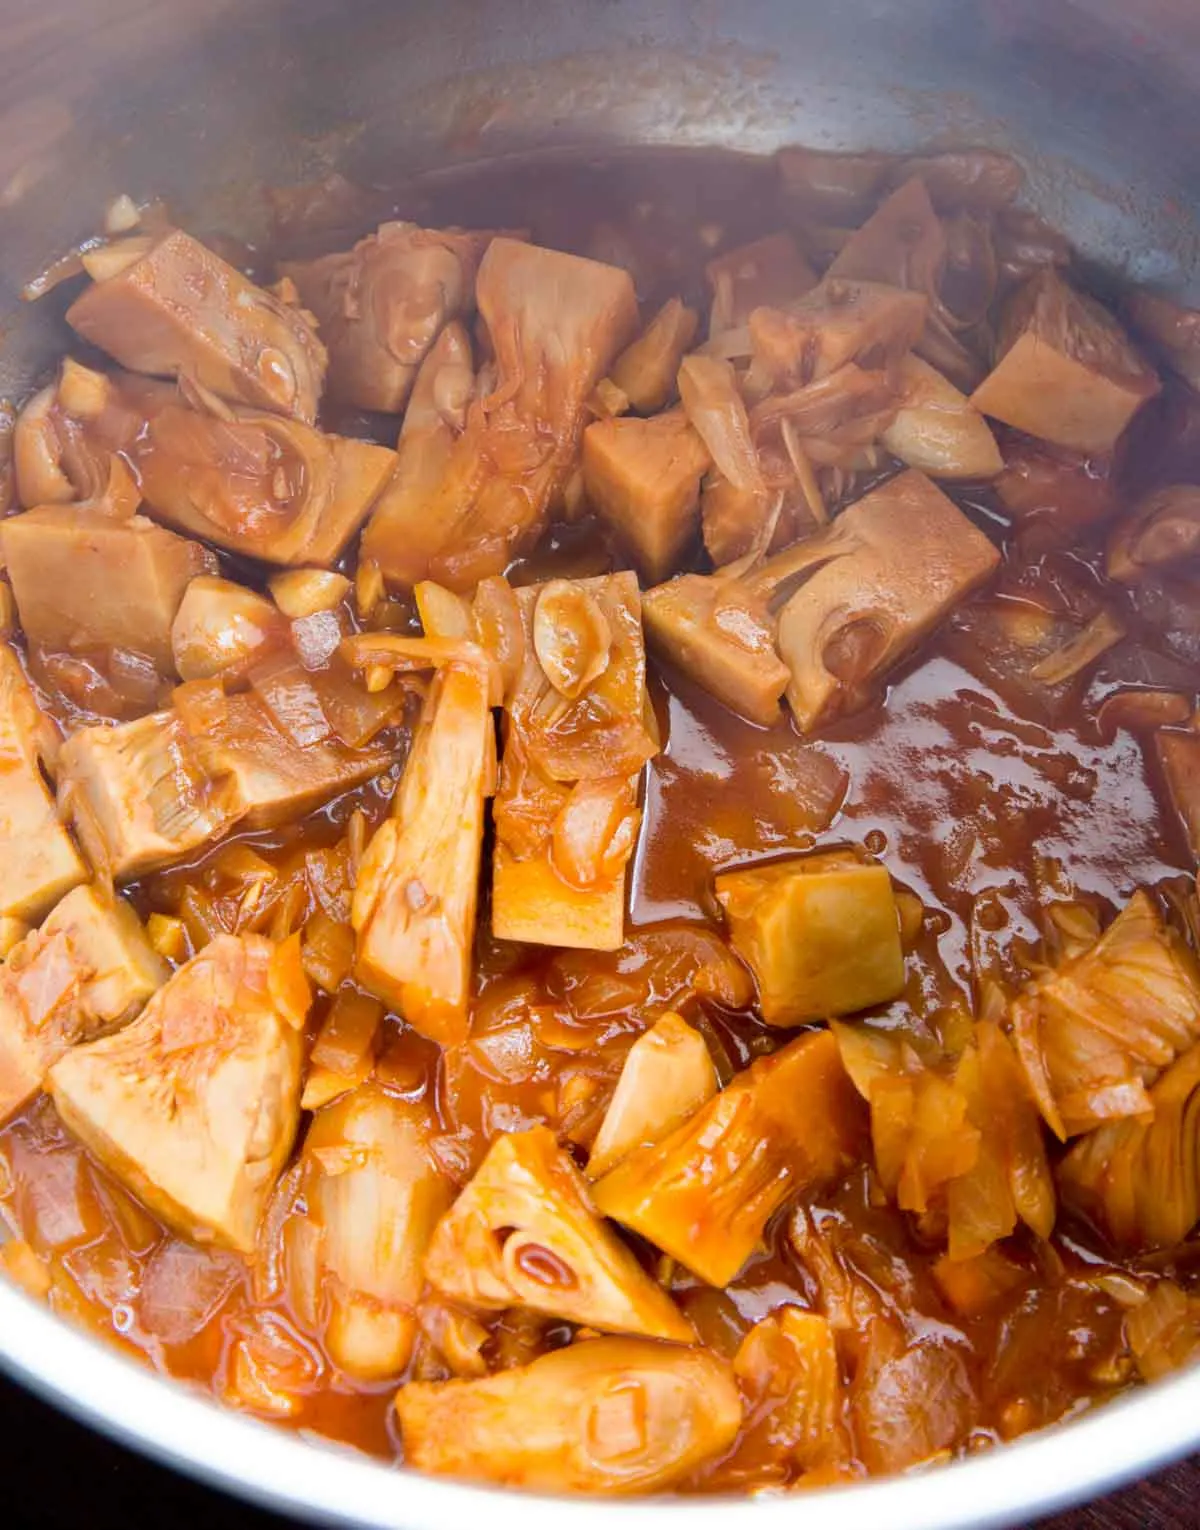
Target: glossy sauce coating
{"type": "Point", "coordinates": [986, 816]}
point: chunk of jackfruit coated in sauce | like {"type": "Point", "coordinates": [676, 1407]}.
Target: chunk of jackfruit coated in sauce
{"type": "Point", "coordinates": [1162, 530]}
{"type": "Point", "coordinates": [381, 305]}
{"type": "Point", "coordinates": [556, 322]}
{"type": "Point", "coordinates": [88, 969]}
{"type": "Point", "coordinates": [524, 1233]}
{"type": "Point", "coordinates": [194, 1106]}
{"type": "Point", "coordinates": [418, 885]}
{"type": "Point", "coordinates": [604, 1416]}
{"type": "Point", "coordinates": [178, 309]}
{"type": "Point", "coordinates": [642, 478]}
{"type": "Point", "coordinates": [1067, 372]}
{"type": "Point", "coordinates": [150, 792]}
{"type": "Point", "coordinates": [820, 933]}
{"type": "Point", "coordinates": [789, 1123]}
{"type": "Point", "coordinates": [575, 739]}
{"type": "Point", "coordinates": [905, 556]}
{"type": "Point", "coordinates": [41, 864]}
{"type": "Point", "coordinates": [720, 637]}
{"type": "Point", "coordinates": [667, 1075]}
{"type": "Point", "coordinates": [259, 484]}
{"type": "Point", "coordinates": [221, 625]}
{"type": "Point", "coordinates": [838, 322]}
{"type": "Point", "coordinates": [373, 1195]}
{"type": "Point", "coordinates": [82, 579]}
{"type": "Point", "coordinates": [1094, 1033]}
{"type": "Point", "coordinates": [403, 538]}
{"type": "Point", "coordinates": [645, 371]}
{"type": "Point", "coordinates": [769, 271]}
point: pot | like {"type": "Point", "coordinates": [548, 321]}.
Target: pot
{"type": "Point", "coordinates": [202, 102]}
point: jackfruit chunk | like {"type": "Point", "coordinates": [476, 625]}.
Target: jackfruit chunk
{"type": "Point", "coordinates": [373, 1194]}
{"type": "Point", "coordinates": [605, 1416]}
{"type": "Point", "coordinates": [40, 863]}
{"type": "Point", "coordinates": [642, 478]}
{"type": "Point", "coordinates": [787, 1124]}
{"type": "Point", "coordinates": [150, 792]}
{"type": "Point", "coordinates": [721, 638]}
{"type": "Point", "coordinates": [767, 273]}
{"type": "Point", "coordinates": [194, 1106]}
{"type": "Point", "coordinates": [524, 1234]}
{"type": "Point", "coordinates": [819, 932]}
{"type": "Point", "coordinates": [176, 308]}
{"type": "Point", "coordinates": [1067, 372]}
{"type": "Point", "coordinates": [904, 556]}
{"type": "Point", "coordinates": [138, 796]}
{"type": "Point", "coordinates": [414, 903]}
{"type": "Point", "coordinates": [381, 305]}
{"type": "Point", "coordinates": [505, 441]}
{"type": "Point", "coordinates": [575, 739]}
{"type": "Point", "coordinates": [1093, 1034]}
{"type": "Point", "coordinates": [1139, 1180]}
{"type": "Point", "coordinates": [645, 371]}
{"type": "Point", "coordinates": [836, 323]}
{"type": "Point", "coordinates": [82, 579]}
{"type": "Point", "coordinates": [89, 968]}
{"type": "Point", "coordinates": [258, 484]}
{"type": "Point", "coordinates": [667, 1076]}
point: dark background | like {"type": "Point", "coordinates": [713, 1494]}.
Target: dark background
{"type": "Point", "coordinates": [79, 1481]}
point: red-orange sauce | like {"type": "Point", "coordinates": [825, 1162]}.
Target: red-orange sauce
{"type": "Point", "coordinates": [982, 813]}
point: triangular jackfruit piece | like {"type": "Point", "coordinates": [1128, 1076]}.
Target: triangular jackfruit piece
{"type": "Point", "coordinates": [195, 1104]}
{"type": "Point", "coordinates": [524, 1234]}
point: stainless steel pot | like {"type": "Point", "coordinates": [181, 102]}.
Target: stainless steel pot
{"type": "Point", "coordinates": [203, 101]}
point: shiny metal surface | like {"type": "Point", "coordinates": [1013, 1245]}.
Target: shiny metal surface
{"type": "Point", "coordinates": [204, 101]}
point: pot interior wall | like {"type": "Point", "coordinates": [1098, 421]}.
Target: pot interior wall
{"type": "Point", "coordinates": [205, 102]}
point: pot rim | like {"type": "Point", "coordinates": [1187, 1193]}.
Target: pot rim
{"type": "Point", "coordinates": [317, 1480]}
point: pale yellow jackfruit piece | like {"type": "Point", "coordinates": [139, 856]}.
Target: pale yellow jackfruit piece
{"type": "Point", "coordinates": [194, 1105]}
{"type": "Point", "coordinates": [176, 308]}
{"type": "Point", "coordinates": [524, 1234]}
{"type": "Point", "coordinates": [1067, 372]}
{"type": "Point", "coordinates": [1094, 1033]}
{"type": "Point", "coordinates": [604, 1416]}
{"type": "Point", "coordinates": [645, 371]}
{"type": "Point", "coordinates": [903, 556]}
{"type": "Point", "coordinates": [88, 969]}
{"type": "Point", "coordinates": [642, 478]}
{"type": "Point", "coordinates": [719, 636]}
{"type": "Point", "coordinates": [373, 1194]}
{"type": "Point", "coordinates": [150, 792]}
{"type": "Point", "coordinates": [381, 304]}
{"type": "Point", "coordinates": [39, 859]}
{"type": "Point", "coordinates": [667, 1076]}
{"type": "Point", "coordinates": [820, 933]}
{"type": "Point", "coordinates": [576, 738]}
{"type": "Point", "coordinates": [83, 579]}
{"type": "Point", "coordinates": [414, 903]}
{"type": "Point", "coordinates": [703, 1195]}
{"type": "Point", "coordinates": [938, 430]}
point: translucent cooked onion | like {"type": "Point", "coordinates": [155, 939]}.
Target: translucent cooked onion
{"type": "Point", "coordinates": [571, 637]}
{"type": "Point", "coordinates": [714, 407]}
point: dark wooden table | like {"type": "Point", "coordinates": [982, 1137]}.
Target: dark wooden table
{"type": "Point", "coordinates": [64, 1477]}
